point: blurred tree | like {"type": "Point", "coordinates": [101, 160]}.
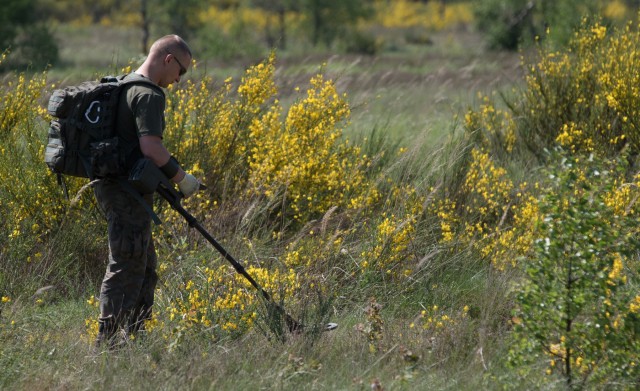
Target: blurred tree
{"type": "Point", "coordinates": [176, 16]}
{"type": "Point", "coordinates": [145, 23]}
{"type": "Point", "coordinates": [28, 38]}
{"type": "Point", "coordinates": [279, 9]}
{"type": "Point", "coordinates": [226, 4]}
{"type": "Point", "coordinates": [182, 15]}
{"type": "Point", "coordinates": [508, 23]}
{"type": "Point", "coordinates": [99, 9]}
{"type": "Point", "coordinates": [92, 11]}
{"type": "Point", "coordinates": [330, 19]}
{"type": "Point", "coordinates": [13, 15]}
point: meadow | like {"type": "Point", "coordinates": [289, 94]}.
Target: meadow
{"type": "Point", "coordinates": [415, 198]}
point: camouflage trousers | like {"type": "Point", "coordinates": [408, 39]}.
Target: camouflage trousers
{"type": "Point", "coordinates": [126, 294]}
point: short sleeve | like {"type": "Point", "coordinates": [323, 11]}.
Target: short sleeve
{"type": "Point", "coordinates": [147, 106]}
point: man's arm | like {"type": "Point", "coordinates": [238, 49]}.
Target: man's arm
{"type": "Point", "coordinates": [152, 148]}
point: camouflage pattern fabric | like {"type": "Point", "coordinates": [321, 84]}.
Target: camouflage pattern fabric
{"type": "Point", "coordinates": [126, 294]}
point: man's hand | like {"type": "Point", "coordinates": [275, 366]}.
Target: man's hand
{"type": "Point", "coordinates": [188, 185]}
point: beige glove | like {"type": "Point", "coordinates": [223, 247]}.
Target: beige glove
{"type": "Point", "coordinates": [188, 185]}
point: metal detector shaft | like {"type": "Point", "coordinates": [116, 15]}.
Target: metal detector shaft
{"type": "Point", "coordinates": [174, 201]}
{"type": "Point", "coordinates": [193, 222]}
{"type": "Point", "coordinates": [146, 178]}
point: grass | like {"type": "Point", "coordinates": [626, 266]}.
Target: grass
{"type": "Point", "coordinates": [45, 346]}
{"type": "Point", "coordinates": [43, 351]}
{"type": "Point", "coordinates": [103, 49]}
{"type": "Point", "coordinates": [411, 96]}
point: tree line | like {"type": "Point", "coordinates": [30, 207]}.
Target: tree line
{"type": "Point", "coordinates": [26, 26]}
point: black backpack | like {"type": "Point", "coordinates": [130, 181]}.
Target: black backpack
{"type": "Point", "coordinates": [82, 136]}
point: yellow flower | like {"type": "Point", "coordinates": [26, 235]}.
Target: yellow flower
{"type": "Point", "coordinates": [634, 306]}
{"type": "Point", "coordinates": [614, 274]}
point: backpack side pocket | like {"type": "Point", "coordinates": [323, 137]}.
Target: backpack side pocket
{"type": "Point", "coordinates": [106, 158]}
{"type": "Point", "coordinates": [54, 155]}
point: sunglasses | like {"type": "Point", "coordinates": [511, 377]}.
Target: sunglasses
{"type": "Point", "coordinates": [183, 70]}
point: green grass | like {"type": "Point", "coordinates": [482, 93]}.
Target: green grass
{"type": "Point", "coordinates": [44, 345]}
{"type": "Point", "coordinates": [92, 50]}
{"type": "Point", "coordinates": [45, 349]}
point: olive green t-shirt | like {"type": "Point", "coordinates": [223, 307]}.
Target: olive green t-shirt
{"type": "Point", "coordinates": [140, 113]}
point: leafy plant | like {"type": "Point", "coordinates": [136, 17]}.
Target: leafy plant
{"type": "Point", "coordinates": [574, 306]}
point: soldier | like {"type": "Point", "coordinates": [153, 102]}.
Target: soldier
{"type": "Point", "coordinates": [127, 291]}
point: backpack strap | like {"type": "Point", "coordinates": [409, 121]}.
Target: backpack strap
{"type": "Point", "coordinates": [63, 184]}
{"type": "Point", "coordinates": [140, 80]}
{"type": "Point", "coordinates": [123, 181]}
{"type": "Point", "coordinates": [138, 197]}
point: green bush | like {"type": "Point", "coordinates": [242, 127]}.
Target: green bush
{"type": "Point", "coordinates": [212, 42]}
{"type": "Point", "coordinates": [359, 42]}
{"type": "Point", "coordinates": [30, 42]}
{"type": "Point", "coordinates": [36, 47]}
{"type": "Point", "coordinates": [575, 307]}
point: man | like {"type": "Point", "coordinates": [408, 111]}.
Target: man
{"type": "Point", "coordinates": [127, 291]}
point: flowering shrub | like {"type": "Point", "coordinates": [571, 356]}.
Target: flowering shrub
{"type": "Point", "coordinates": [230, 18]}
{"type": "Point", "coordinates": [615, 10]}
{"type": "Point", "coordinates": [304, 158]}
{"type": "Point", "coordinates": [395, 14]}
{"type": "Point", "coordinates": [19, 109]}
{"type": "Point", "coordinates": [33, 205]}
{"type": "Point", "coordinates": [430, 15]}
{"type": "Point", "coordinates": [584, 98]}
{"type": "Point", "coordinates": [489, 213]}
{"type": "Point", "coordinates": [390, 251]}
{"type": "Point", "coordinates": [492, 128]}
{"type": "Point", "coordinates": [217, 300]}
{"type": "Point", "coordinates": [299, 165]}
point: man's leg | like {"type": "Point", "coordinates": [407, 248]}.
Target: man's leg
{"type": "Point", "coordinates": [143, 308]}
{"type": "Point", "coordinates": [129, 237]}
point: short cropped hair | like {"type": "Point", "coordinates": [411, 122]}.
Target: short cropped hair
{"type": "Point", "coordinates": [170, 44]}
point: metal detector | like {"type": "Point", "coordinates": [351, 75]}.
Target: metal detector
{"type": "Point", "coordinates": [147, 178]}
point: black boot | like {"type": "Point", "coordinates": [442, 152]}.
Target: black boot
{"type": "Point", "coordinates": [109, 336]}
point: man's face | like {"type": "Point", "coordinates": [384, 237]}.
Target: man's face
{"type": "Point", "coordinates": [175, 67]}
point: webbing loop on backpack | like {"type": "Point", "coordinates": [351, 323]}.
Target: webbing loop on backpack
{"type": "Point", "coordinates": [87, 113]}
